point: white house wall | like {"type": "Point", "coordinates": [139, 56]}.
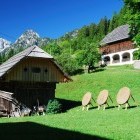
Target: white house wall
{"type": "Point", "coordinates": [120, 56]}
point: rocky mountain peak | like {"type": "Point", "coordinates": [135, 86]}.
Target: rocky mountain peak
{"type": "Point", "coordinates": [30, 32]}
{"type": "Point", "coordinates": [28, 38]}
{"type": "Point", "coordinates": [4, 44]}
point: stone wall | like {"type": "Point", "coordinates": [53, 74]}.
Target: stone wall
{"type": "Point", "coordinates": [136, 64]}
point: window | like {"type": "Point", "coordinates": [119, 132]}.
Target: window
{"type": "Point", "coordinates": [25, 69]}
{"type": "Point", "coordinates": [46, 70]}
{"type": "Point", "coordinates": [36, 70]}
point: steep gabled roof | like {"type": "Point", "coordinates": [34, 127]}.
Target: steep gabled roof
{"type": "Point", "coordinates": [120, 33]}
{"type": "Point", "coordinates": [33, 51]}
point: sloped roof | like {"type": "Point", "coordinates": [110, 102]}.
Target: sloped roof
{"type": "Point", "coordinates": [33, 51]}
{"type": "Point", "coordinates": [6, 95]}
{"type": "Point", "coordinates": [119, 33]}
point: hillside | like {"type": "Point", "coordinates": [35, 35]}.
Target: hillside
{"type": "Point", "coordinates": [110, 78]}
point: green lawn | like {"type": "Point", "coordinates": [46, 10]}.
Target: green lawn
{"type": "Point", "coordinates": [77, 124]}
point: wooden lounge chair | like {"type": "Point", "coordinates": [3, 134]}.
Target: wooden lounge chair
{"type": "Point", "coordinates": [86, 101]}
{"type": "Point", "coordinates": [102, 99]}
{"type": "Point", "coordinates": [123, 97]}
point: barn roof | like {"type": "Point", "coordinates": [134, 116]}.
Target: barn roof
{"type": "Point", "coordinates": [119, 33]}
{"type": "Point", "coordinates": [6, 95]}
{"type": "Point", "coordinates": [33, 51]}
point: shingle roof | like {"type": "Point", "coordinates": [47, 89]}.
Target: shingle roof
{"type": "Point", "coordinates": [120, 33]}
{"type": "Point", "coordinates": [6, 95]}
{"type": "Point", "coordinates": [33, 51]}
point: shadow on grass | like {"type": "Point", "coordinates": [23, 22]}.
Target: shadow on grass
{"type": "Point", "coordinates": [92, 70]}
{"type": "Point", "coordinates": [79, 71]}
{"type": "Point", "coordinates": [93, 107]}
{"type": "Point", "coordinates": [33, 131]}
{"type": "Point", "coordinates": [130, 107]}
{"type": "Point", "coordinates": [110, 107]}
{"type": "Point", "coordinates": [68, 104]}
{"type": "Point", "coordinates": [122, 107]}
{"type": "Point", "coordinates": [134, 106]}
{"type": "Point", "coordinates": [98, 70]}
{"type": "Point", "coordinates": [96, 107]}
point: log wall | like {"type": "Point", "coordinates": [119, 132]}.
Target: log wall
{"type": "Point", "coordinates": [35, 70]}
{"type": "Point", "coordinates": [29, 92]}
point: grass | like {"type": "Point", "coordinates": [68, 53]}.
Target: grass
{"type": "Point", "coordinates": [112, 79]}
{"type": "Point", "coordinates": [77, 124]}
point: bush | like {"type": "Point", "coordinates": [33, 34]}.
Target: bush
{"type": "Point", "coordinates": [136, 55]}
{"type": "Point", "coordinates": [53, 107]}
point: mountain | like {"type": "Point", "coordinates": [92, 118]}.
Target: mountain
{"type": "Point", "coordinates": [70, 35]}
{"type": "Point", "coordinates": [44, 41]}
{"type": "Point", "coordinates": [4, 44]}
{"type": "Point", "coordinates": [30, 38]}
{"type": "Point", "coordinates": [27, 39]}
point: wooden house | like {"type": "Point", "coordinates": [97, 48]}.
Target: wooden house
{"type": "Point", "coordinates": [7, 103]}
{"type": "Point", "coordinates": [32, 76]}
{"type": "Point", "coordinates": [117, 47]}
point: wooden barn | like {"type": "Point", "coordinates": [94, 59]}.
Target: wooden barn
{"type": "Point", "coordinates": [117, 47]}
{"type": "Point", "coordinates": [32, 76]}
{"type": "Point", "coordinates": [5, 103]}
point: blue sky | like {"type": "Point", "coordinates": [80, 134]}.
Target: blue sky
{"type": "Point", "coordinates": [52, 18]}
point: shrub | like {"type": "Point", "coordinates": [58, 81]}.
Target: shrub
{"type": "Point", "coordinates": [137, 55]}
{"type": "Point", "coordinates": [53, 107]}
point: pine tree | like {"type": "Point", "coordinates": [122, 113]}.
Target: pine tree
{"type": "Point", "coordinates": [113, 22]}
